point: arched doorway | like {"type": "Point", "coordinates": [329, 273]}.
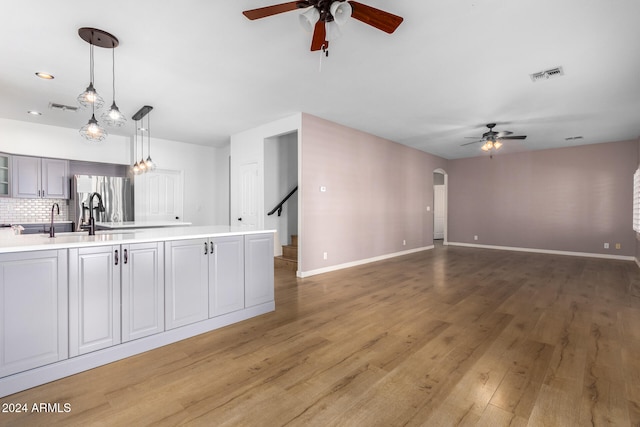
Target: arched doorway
{"type": "Point", "coordinates": [440, 186]}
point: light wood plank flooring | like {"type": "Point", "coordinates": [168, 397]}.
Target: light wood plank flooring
{"type": "Point", "coordinates": [447, 337]}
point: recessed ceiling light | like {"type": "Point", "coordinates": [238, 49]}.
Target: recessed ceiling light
{"type": "Point", "coordinates": [44, 75]}
{"type": "Point", "coordinates": [34, 113]}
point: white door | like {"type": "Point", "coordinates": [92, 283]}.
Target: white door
{"type": "Point", "coordinates": [248, 213]}
{"type": "Point", "coordinates": [159, 196]}
{"type": "Point", "coordinates": [438, 211]}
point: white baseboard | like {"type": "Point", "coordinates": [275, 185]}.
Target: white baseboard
{"type": "Point", "coordinates": [545, 251]}
{"type": "Point", "coordinates": [303, 274]}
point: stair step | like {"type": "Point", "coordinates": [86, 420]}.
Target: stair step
{"type": "Point", "coordinates": [290, 252]}
{"type": "Point", "coordinates": [294, 240]}
{"type": "Point", "coordinates": [284, 263]}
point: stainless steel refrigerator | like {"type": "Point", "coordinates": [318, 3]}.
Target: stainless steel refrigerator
{"type": "Point", "coordinates": [117, 198]}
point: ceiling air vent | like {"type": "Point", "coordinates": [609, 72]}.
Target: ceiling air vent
{"type": "Point", "coordinates": [573, 138]}
{"type": "Point", "coordinates": [62, 107]}
{"type": "Point", "coordinates": [547, 74]}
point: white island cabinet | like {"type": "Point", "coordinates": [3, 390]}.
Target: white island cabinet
{"type": "Point", "coordinates": [94, 298]}
{"type": "Point", "coordinates": [142, 275]}
{"type": "Point", "coordinates": [258, 268]}
{"type": "Point", "coordinates": [226, 275]}
{"type": "Point", "coordinates": [76, 302]}
{"type": "Point", "coordinates": [33, 310]}
{"type": "Point", "coordinates": [186, 282]}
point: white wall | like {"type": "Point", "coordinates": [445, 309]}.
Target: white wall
{"type": "Point", "coordinates": [201, 166]}
{"type": "Point", "coordinates": [31, 139]}
{"type": "Point", "coordinates": [248, 147]}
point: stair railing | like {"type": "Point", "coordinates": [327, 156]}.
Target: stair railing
{"type": "Point", "coordinates": [279, 205]}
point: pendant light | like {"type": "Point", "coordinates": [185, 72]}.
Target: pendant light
{"type": "Point", "coordinates": [144, 165]}
{"type": "Point", "coordinates": [113, 117]}
{"type": "Point", "coordinates": [141, 163]}
{"type": "Point", "coordinates": [149, 163]}
{"type": "Point", "coordinates": [92, 131]}
{"type": "Point", "coordinates": [135, 168]}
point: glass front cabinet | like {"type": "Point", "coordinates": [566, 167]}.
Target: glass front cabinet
{"type": "Point", "coordinates": [5, 175]}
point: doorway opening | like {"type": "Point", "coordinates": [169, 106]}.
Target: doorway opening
{"type": "Point", "coordinates": [440, 187]}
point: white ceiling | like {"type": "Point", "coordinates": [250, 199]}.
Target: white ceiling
{"type": "Point", "coordinates": [450, 67]}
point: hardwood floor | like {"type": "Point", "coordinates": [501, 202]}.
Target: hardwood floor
{"type": "Point", "coordinates": [452, 336]}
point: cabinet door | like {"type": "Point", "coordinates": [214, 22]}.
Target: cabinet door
{"type": "Point", "coordinates": [25, 182]}
{"type": "Point", "coordinates": [226, 275]}
{"type": "Point", "coordinates": [186, 282]}
{"type": "Point", "coordinates": [142, 290]}
{"type": "Point", "coordinates": [258, 268]}
{"type": "Point", "coordinates": [5, 175]}
{"type": "Point", "coordinates": [33, 310]}
{"type": "Point", "coordinates": [94, 298]}
{"type": "Point", "coordinates": [55, 178]}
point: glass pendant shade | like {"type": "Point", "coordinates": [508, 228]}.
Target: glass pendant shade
{"type": "Point", "coordinates": [113, 117]}
{"type": "Point", "coordinates": [497, 145]}
{"type": "Point", "coordinates": [92, 131]}
{"type": "Point", "coordinates": [90, 98]}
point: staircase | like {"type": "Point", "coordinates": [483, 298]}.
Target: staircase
{"type": "Point", "coordinates": [289, 258]}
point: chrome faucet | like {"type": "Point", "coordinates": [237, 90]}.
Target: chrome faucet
{"type": "Point", "coordinates": [92, 221]}
{"type": "Point", "coordinates": [52, 230]}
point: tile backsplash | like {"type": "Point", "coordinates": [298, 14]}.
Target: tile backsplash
{"type": "Point", "coordinates": [17, 211]}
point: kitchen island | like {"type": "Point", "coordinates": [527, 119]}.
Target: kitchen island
{"type": "Point", "coordinates": [75, 302]}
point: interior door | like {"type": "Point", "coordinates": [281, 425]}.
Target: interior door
{"type": "Point", "coordinates": [248, 213]}
{"type": "Point", "coordinates": [438, 211]}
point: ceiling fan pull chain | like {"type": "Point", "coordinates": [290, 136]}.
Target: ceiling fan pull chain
{"type": "Point", "coordinates": [326, 53]}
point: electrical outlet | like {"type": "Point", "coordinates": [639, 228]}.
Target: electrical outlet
{"type": "Point", "coordinates": [475, 237]}
{"type": "Point", "coordinates": [617, 245]}
{"type": "Point", "coordinates": [324, 255]}
{"type": "Point", "coordinates": [606, 246]}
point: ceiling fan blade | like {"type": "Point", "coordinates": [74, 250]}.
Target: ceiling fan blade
{"type": "Point", "coordinates": [319, 36]}
{"type": "Point", "coordinates": [504, 133]}
{"type": "Point", "coordinates": [263, 12]}
{"type": "Point", "coordinates": [377, 18]}
{"type": "Point", "coordinates": [472, 142]}
{"type": "Point", "coordinates": [515, 137]}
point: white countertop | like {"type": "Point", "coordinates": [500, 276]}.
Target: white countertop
{"type": "Point", "coordinates": [37, 242]}
{"type": "Point", "coordinates": [141, 224]}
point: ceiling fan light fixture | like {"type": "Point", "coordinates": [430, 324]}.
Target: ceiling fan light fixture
{"type": "Point", "coordinates": [341, 11]}
{"type": "Point", "coordinates": [309, 18]}
{"type": "Point", "coordinates": [497, 145]}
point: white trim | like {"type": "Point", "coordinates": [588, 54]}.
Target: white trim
{"type": "Point", "coordinates": [637, 262]}
{"type": "Point", "coordinates": [64, 368]}
{"type": "Point", "coordinates": [303, 274]}
{"type": "Point", "coordinates": [545, 251]}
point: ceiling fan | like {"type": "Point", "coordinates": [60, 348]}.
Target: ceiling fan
{"type": "Point", "coordinates": [492, 139]}
{"type": "Point", "coordinates": [321, 16]}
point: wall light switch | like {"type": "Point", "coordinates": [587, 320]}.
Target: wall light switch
{"type": "Point", "coordinates": [606, 246]}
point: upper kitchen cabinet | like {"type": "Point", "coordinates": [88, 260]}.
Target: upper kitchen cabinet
{"type": "Point", "coordinates": [5, 175]}
{"type": "Point", "coordinates": [36, 178]}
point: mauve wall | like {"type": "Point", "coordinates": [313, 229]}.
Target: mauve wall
{"type": "Point", "coordinates": [571, 199]}
{"type": "Point", "coordinates": [377, 193]}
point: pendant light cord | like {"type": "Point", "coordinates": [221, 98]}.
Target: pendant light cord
{"type": "Point", "coordinates": [113, 70]}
